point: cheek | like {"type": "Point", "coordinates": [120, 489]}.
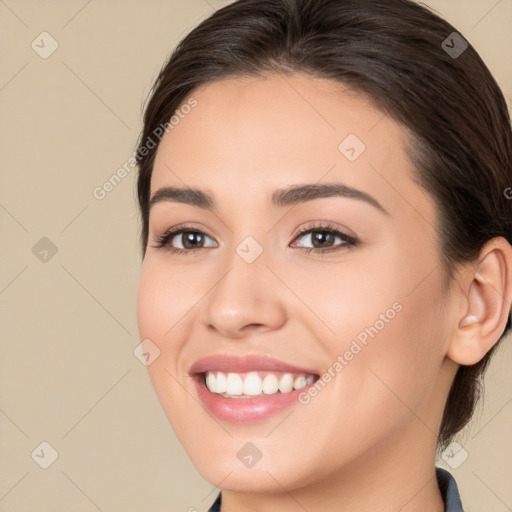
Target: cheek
{"type": "Point", "coordinates": [165, 296]}
{"type": "Point", "coordinates": [340, 299]}
{"type": "Point", "coordinates": [161, 303]}
{"type": "Point", "coordinates": [159, 308]}
{"type": "Point", "coordinates": [381, 324]}
{"type": "Point", "coordinates": [150, 302]}
{"type": "Point", "coordinates": [393, 375]}
{"type": "Point", "coordinates": [358, 299]}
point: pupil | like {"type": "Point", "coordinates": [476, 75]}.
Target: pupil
{"type": "Point", "coordinates": [189, 239]}
{"type": "Point", "coordinates": [321, 237]}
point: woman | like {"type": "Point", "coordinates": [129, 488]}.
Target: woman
{"type": "Point", "coordinates": [326, 237]}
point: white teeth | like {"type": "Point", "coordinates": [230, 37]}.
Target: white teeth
{"type": "Point", "coordinates": [299, 382]}
{"type": "Point", "coordinates": [270, 384]}
{"type": "Point", "coordinates": [221, 385]}
{"type": "Point", "coordinates": [251, 384]}
{"type": "Point", "coordinates": [211, 381]}
{"type": "Point", "coordinates": [286, 383]}
{"type": "Point", "coordinates": [234, 384]}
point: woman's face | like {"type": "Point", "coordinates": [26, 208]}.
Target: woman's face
{"type": "Point", "coordinates": [323, 352]}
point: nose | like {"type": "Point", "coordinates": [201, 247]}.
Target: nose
{"type": "Point", "coordinates": [246, 298]}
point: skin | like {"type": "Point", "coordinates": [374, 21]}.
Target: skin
{"type": "Point", "coordinates": [367, 441]}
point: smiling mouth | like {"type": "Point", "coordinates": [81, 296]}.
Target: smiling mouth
{"type": "Point", "coordinates": [255, 383]}
{"type": "Point", "coordinates": [250, 388]}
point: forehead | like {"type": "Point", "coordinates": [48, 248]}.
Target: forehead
{"type": "Point", "coordinates": [247, 136]}
{"type": "Point", "coordinates": [272, 116]}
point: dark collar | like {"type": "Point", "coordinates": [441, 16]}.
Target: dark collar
{"type": "Point", "coordinates": [216, 506]}
{"type": "Point", "coordinates": [445, 480]}
{"type": "Point", "coordinates": [449, 491]}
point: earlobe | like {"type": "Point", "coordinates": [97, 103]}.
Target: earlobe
{"type": "Point", "coordinates": [488, 293]}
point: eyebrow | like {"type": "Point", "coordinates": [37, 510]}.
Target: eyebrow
{"type": "Point", "coordinates": [289, 196]}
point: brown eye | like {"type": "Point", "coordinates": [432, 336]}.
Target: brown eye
{"type": "Point", "coordinates": [191, 239]}
{"type": "Point", "coordinates": [184, 240]}
{"type": "Point", "coordinates": [323, 239]}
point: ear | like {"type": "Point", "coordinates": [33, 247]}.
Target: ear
{"type": "Point", "coordinates": [488, 290]}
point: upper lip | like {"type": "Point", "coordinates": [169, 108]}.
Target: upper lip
{"type": "Point", "coordinates": [241, 364]}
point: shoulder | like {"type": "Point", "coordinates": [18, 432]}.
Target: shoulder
{"type": "Point", "coordinates": [447, 486]}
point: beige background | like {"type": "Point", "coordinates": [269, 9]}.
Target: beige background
{"type": "Point", "coordinates": [68, 373]}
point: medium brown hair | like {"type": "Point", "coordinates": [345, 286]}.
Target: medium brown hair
{"type": "Point", "coordinates": [405, 59]}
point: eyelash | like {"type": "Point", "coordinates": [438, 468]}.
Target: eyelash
{"type": "Point", "coordinates": [350, 242]}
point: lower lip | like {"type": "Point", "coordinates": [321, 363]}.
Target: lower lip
{"type": "Point", "coordinates": [245, 410]}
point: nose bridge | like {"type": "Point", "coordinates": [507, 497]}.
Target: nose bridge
{"type": "Point", "coordinates": [243, 295]}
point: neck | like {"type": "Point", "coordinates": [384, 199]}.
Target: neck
{"type": "Point", "coordinates": [386, 478]}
